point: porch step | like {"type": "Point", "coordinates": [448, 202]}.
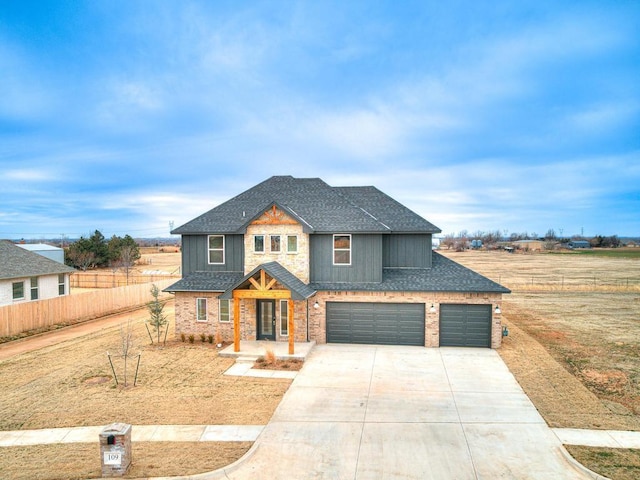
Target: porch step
{"type": "Point", "coordinates": [247, 359]}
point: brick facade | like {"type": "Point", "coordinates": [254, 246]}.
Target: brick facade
{"type": "Point", "coordinates": [310, 322]}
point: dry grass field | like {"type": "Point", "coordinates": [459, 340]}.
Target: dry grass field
{"type": "Point", "coordinates": [71, 384]}
{"type": "Point", "coordinates": [574, 342]}
{"type": "Point", "coordinates": [574, 346]}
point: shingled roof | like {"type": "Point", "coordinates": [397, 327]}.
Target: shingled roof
{"type": "Point", "coordinates": [318, 206]}
{"type": "Point", "coordinates": [445, 275]}
{"type": "Point", "coordinates": [16, 262]}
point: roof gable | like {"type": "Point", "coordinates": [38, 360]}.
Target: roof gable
{"type": "Point", "coordinates": [319, 207]}
{"type": "Point", "coordinates": [299, 290]}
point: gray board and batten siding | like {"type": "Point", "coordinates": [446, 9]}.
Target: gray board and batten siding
{"type": "Point", "coordinates": [195, 254]}
{"type": "Point", "coordinates": [406, 251]}
{"type": "Point", "coordinates": [366, 260]}
{"type": "Point", "coordinates": [376, 323]}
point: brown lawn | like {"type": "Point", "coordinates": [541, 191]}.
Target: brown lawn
{"type": "Point", "coordinates": [574, 342]}
{"type": "Point", "coordinates": [64, 385]}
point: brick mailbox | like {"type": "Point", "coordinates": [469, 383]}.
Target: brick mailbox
{"type": "Point", "coordinates": [115, 449]}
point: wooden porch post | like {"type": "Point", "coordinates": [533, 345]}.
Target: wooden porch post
{"type": "Point", "coordinates": [291, 327]}
{"type": "Point", "coordinates": [236, 322]}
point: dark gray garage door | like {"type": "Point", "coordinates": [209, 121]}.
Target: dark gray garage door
{"type": "Point", "coordinates": [465, 325]}
{"type": "Point", "coordinates": [375, 323]}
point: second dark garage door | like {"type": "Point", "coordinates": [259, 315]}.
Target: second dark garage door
{"type": "Point", "coordinates": [375, 323]}
{"type": "Point", "coordinates": [465, 325]}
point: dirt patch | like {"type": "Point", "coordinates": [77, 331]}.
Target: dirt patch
{"type": "Point", "coordinates": [288, 364]}
{"type": "Point", "coordinates": [97, 380]}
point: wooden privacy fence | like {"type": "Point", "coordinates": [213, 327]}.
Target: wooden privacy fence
{"type": "Point", "coordinates": [75, 308]}
{"type": "Point", "coordinates": [111, 280]}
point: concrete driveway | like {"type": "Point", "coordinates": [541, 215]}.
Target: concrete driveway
{"type": "Point", "coordinates": [383, 412]}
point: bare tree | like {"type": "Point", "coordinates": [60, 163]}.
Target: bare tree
{"type": "Point", "coordinates": [125, 351]}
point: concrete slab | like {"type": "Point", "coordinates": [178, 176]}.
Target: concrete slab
{"type": "Point", "coordinates": [231, 433]}
{"type": "Point", "coordinates": [42, 436]}
{"type": "Point", "coordinates": [83, 435]}
{"type": "Point", "coordinates": [587, 438]}
{"type": "Point", "coordinates": [143, 433]}
{"type": "Point", "coordinates": [258, 349]}
{"type": "Point", "coordinates": [318, 450]}
{"type": "Point", "coordinates": [626, 439]}
{"type": "Point", "coordinates": [496, 408]}
{"type": "Point", "coordinates": [411, 407]}
{"type": "Point", "coordinates": [9, 439]}
{"type": "Point", "coordinates": [414, 451]}
{"type": "Point", "coordinates": [321, 404]}
{"type": "Point", "coordinates": [176, 433]}
{"type": "Point", "coordinates": [519, 451]}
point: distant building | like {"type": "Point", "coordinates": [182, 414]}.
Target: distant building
{"type": "Point", "coordinates": [27, 276]}
{"type": "Point", "coordinates": [578, 244]}
{"type": "Point", "coordinates": [54, 253]}
{"type": "Point", "coordinates": [530, 245]}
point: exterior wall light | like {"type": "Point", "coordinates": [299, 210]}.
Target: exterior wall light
{"type": "Point", "coordinates": [316, 305]}
{"type": "Point", "coordinates": [497, 310]}
{"type": "Point", "coordinates": [433, 308]}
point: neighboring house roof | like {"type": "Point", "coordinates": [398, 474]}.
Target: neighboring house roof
{"type": "Point", "coordinates": [445, 275]}
{"type": "Point", "coordinates": [16, 262]}
{"type": "Point", "coordinates": [318, 206]}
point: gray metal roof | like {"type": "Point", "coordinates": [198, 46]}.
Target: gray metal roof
{"type": "Point", "coordinates": [319, 207]}
{"type": "Point", "coordinates": [16, 262]}
{"type": "Point", "coordinates": [445, 275]}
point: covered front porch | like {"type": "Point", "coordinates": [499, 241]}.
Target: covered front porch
{"type": "Point", "coordinates": [273, 299]}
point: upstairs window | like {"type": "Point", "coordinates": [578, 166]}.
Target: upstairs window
{"type": "Point", "coordinates": [342, 249]}
{"type": "Point", "coordinates": [275, 243]}
{"type": "Point", "coordinates": [216, 249]}
{"type": "Point", "coordinates": [292, 244]}
{"type": "Point", "coordinates": [34, 288]}
{"type": "Point", "coordinates": [258, 243]}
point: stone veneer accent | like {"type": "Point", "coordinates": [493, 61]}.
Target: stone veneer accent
{"type": "Point", "coordinates": [296, 263]}
{"type": "Point", "coordinates": [317, 331]}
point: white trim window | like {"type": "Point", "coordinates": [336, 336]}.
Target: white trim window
{"type": "Point", "coordinates": [201, 309]}
{"type": "Point", "coordinates": [216, 249]}
{"type": "Point", "coordinates": [33, 281]}
{"type": "Point", "coordinates": [292, 244]}
{"type": "Point", "coordinates": [275, 243]}
{"type": "Point", "coordinates": [342, 249]}
{"type": "Point", "coordinates": [62, 284]}
{"type": "Point", "coordinates": [258, 244]}
{"type": "Point", "coordinates": [17, 290]}
{"type": "Point", "coordinates": [284, 318]}
{"type": "Point", "coordinates": [225, 314]}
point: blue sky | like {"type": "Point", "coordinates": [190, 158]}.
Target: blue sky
{"type": "Point", "coordinates": [124, 116]}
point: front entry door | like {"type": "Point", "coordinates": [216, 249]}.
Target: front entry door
{"type": "Point", "coordinates": [266, 319]}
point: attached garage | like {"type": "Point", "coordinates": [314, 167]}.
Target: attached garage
{"type": "Point", "coordinates": [376, 323]}
{"type": "Point", "coordinates": [464, 325]}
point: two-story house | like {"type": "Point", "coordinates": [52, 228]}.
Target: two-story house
{"type": "Point", "coordinates": [295, 259]}
{"type": "Point", "coordinates": [27, 276]}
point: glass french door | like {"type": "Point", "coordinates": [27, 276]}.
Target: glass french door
{"type": "Point", "coordinates": [266, 312]}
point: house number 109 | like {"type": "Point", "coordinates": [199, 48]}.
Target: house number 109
{"type": "Point", "coordinates": [112, 458]}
